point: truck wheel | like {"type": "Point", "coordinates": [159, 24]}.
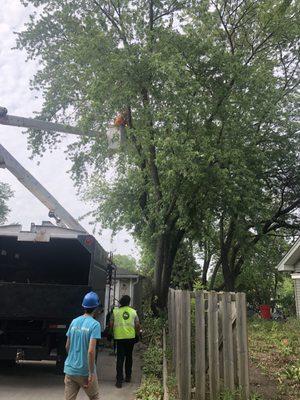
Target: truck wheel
{"type": "Point", "coordinates": [59, 367]}
{"type": "Point", "coordinates": [61, 358]}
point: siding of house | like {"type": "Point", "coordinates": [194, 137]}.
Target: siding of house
{"type": "Point", "coordinates": [297, 295]}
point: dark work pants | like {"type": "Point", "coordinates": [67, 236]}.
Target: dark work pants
{"type": "Point", "coordinates": [124, 353]}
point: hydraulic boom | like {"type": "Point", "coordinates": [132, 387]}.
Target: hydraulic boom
{"type": "Point", "coordinates": [56, 210]}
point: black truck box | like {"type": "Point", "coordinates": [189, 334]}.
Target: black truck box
{"type": "Point", "coordinates": [44, 275]}
{"type": "Point", "coordinates": [40, 301]}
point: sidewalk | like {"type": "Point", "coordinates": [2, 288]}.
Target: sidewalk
{"type": "Point", "coordinates": [37, 380]}
{"type": "Point", "coordinates": [106, 366]}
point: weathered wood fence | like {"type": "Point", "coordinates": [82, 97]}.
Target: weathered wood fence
{"type": "Point", "coordinates": [208, 338]}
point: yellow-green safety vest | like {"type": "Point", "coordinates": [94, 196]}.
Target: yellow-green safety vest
{"type": "Point", "coordinates": [124, 325]}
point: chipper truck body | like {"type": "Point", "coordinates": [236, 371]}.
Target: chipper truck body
{"type": "Point", "coordinates": [44, 274]}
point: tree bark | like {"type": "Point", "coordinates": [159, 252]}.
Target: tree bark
{"type": "Point", "coordinates": [206, 264]}
{"type": "Point", "coordinates": [167, 245]}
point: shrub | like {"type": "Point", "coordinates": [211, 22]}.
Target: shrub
{"type": "Point", "coordinates": [236, 395]}
{"type": "Point", "coordinates": [151, 389]}
{"type": "Point", "coordinates": [153, 360]}
{"type": "Point", "coordinates": [152, 329]}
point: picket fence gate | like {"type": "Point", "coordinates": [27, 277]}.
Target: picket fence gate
{"type": "Point", "coordinates": [207, 333]}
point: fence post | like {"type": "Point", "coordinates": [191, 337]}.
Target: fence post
{"type": "Point", "coordinates": [200, 368]}
{"type": "Point", "coordinates": [213, 346]}
{"type": "Point", "coordinates": [242, 345]}
{"type": "Point", "coordinates": [228, 358]}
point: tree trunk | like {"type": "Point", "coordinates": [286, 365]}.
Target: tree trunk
{"type": "Point", "coordinates": [167, 245]}
{"type": "Point", "coordinates": [228, 275]}
{"type": "Point", "coordinates": [231, 271]}
{"type": "Point", "coordinates": [214, 275]}
{"type": "Point", "coordinates": [206, 265]}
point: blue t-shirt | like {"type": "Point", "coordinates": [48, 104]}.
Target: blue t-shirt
{"type": "Point", "coordinates": [80, 332]}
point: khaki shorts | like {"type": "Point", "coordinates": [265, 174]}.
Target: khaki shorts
{"type": "Point", "coordinates": [73, 383]}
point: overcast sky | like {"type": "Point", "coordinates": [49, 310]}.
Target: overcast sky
{"type": "Point", "coordinates": [16, 96]}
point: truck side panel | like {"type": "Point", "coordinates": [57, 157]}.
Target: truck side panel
{"type": "Point", "coordinates": [40, 301]}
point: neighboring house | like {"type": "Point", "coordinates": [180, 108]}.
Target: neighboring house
{"type": "Point", "coordinates": [128, 282]}
{"type": "Point", "coordinates": [125, 283]}
{"type": "Point", "coordinates": [291, 263]}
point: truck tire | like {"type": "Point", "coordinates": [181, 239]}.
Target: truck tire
{"type": "Point", "coordinates": [61, 358]}
{"type": "Point", "coordinates": [59, 367]}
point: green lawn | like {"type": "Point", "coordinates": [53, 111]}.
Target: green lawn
{"type": "Point", "coordinates": [275, 358]}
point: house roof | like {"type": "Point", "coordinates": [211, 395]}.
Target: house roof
{"type": "Point", "coordinates": [291, 258]}
{"type": "Point", "coordinates": [124, 273]}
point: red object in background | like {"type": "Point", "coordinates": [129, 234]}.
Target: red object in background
{"type": "Point", "coordinates": [265, 311]}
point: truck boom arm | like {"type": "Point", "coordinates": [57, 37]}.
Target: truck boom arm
{"type": "Point", "coordinates": [33, 123]}
{"type": "Point", "coordinates": [112, 132]}
{"type": "Point", "coordinates": [38, 190]}
{"type": "Point", "coordinates": [9, 162]}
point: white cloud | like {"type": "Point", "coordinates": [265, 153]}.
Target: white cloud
{"type": "Point", "coordinates": [15, 95]}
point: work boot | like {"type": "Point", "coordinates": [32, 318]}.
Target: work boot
{"type": "Point", "coordinates": [128, 379]}
{"type": "Point", "coordinates": [119, 384]}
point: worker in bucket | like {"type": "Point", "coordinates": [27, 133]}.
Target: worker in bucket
{"type": "Point", "coordinates": [126, 330]}
{"type": "Point", "coordinates": [82, 335]}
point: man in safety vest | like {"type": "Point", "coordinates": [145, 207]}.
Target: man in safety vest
{"type": "Point", "coordinates": [126, 328]}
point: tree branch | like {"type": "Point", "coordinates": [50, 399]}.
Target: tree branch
{"type": "Point", "coordinates": [114, 22]}
{"type": "Point", "coordinates": [172, 8]}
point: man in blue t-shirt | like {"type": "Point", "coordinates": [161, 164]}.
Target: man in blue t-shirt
{"type": "Point", "coordinates": [82, 335]}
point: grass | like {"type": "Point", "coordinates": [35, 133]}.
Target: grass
{"type": "Point", "coordinates": [275, 349]}
{"type": "Point", "coordinates": [237, 395]}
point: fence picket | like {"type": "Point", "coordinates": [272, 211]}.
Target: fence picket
{"type": "Point", "coordinates": [172, 325]}
{"type": "Point", "coordinates": [185, 374]}
{"type": "Point", "coordinates": [242, 345]}
{"type": "Point", "coordinates": [200, 368]}
{"type": "Point", "coordinates": [178, 296]}
{"type": "Point", "coordinates": [220, 342]}
{"type": "Point", "coordinates": [228, 358]}
{"type": "Point", "coordinates": [213, 346]}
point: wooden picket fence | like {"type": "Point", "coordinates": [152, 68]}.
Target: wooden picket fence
{"type": "Point", "coordinates": [208, 336]}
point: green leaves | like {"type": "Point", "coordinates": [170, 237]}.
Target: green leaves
{"type": "Point", "coordinates": [208, 91]}
{"type": "Point", "coordinates": [5, 195]}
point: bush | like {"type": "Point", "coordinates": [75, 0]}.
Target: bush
{"type": "Point", "coordinates": [151, 389]}
{"type": "Point", "coordinates": [286, 297]}
{"type": "Point", "coordinates": [152, 329]}
{"type": "Point", "coordinates": [153, 361]}
{"type": "Point", "coordinates": [236, 395]}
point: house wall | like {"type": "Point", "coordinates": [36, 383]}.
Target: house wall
{"type": "Point", "coordinates": [296, 278]}
{"type": "Point", "coordinates": [124, 288]}
{"type": "Point", "coordinates": [297, 267]}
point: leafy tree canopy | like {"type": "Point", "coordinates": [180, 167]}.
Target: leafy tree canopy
{"type": "Point", "coordinates": [260, 278]}
{"type": "Point", "coordinates": [208, 92]}
{"type": "Point", "coordinates": [126, 262]}
{"type": "Point", "coordinates": [186, 270]}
